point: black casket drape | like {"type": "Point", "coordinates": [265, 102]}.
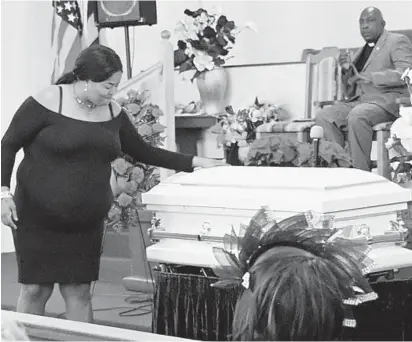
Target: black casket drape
{"type": "Point", "coordinates": [187, 306]}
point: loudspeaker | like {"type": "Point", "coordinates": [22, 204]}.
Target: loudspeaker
{"type": "Point", "coordinates": [125, 13]}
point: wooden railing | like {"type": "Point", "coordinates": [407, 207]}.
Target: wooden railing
{"type": "Point", "coordinates": [134, 82]}
{"type": "Point", "coordinates": [165, 69]}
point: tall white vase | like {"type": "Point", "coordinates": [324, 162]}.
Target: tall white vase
{"type": "Point", "coordinates": [212, 87]}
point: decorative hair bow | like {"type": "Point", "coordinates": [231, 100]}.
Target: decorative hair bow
{"type": "Point", "coordinates": [312, 232]}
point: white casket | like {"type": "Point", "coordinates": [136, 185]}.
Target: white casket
{"type": "Point", "coordinates": [194, 210]}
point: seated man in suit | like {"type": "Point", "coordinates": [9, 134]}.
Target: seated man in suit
{"type": "Point", "coordinates": [372, 83]}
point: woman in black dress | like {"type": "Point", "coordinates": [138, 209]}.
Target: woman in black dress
{"type": "Point", "coordinates": [70, 132]}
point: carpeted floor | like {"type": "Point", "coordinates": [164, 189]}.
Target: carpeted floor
{"type": "Point", "coordinates": [113, 305]}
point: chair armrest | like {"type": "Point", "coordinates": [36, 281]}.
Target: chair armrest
{"type": "Point", "coordinates": [285, 127]}
{"type": "Point", "coordinates": [383, 126]}
{"type": "Point", "coordinates": [404, 101]}
{"type": "Point", "coordinates": [324, 103]}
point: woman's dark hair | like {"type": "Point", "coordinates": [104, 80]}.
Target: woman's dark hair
{"type": "Point", "coordinates": [295, 296]}
{"type": "Point", "coordinates": [96, 63]}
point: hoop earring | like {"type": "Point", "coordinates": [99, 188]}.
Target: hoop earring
{"type": "Point", "coordinates": [86, 87]}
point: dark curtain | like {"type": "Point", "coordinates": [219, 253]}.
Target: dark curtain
{"type": "Point", "coordinates": [389, 318]}
{"type": "Point", "coordinates": [187, 306]}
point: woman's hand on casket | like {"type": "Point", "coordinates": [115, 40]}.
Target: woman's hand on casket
{"type": "Point", "coordinates": [204, 163]}
{"type": "Point", "coordinates": [8, 212]}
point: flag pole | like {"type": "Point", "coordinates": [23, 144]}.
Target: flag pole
{"type": "Point", "coordinates": [84, 33]}
{"type": "Point", "coordinates": [128, 59]}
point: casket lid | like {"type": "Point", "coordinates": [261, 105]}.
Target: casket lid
{"type": "Point", "coordinates": [290, 189]}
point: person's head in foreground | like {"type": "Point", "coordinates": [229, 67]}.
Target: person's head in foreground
{"type": "Point", "coordinates": [299, 281]}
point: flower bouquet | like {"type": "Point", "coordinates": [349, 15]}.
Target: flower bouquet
{"type": "Point", "coordinates": [236, 130]}
{"type": "Point", "coordinates": [130, 179]}
{"type": "Point", "coordinates": [402, 160]}
{"type": "Point", "coordinates": [407, 78]}
{"type": "Point", "coordinates": [206, 40]}
{"type": "Point", "coordinates": [399, 144]}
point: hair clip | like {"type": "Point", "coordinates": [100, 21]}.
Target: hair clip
{"type": "Point", "coordinates": [246, 280]}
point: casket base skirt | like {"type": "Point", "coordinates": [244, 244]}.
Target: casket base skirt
{"type": "Point", "coordinates": [180, 311]}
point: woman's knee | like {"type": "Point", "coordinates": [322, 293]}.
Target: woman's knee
{"type": "Point", "coordinates": [78, 292]}
{"type": "Point", "coordinates": [37, 292]}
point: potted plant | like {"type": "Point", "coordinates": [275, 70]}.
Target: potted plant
{"type": "Point", "coordinates": [206, 40]}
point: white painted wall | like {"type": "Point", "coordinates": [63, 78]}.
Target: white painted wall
{"type": "Point", "coordinates": [285, 27]}
{"type": "Point", "coordinates": [283, 85]}
{"type": "Point", "coordinates": [288, 27]}
{"type": "Point", "coordinates": [25, 64]}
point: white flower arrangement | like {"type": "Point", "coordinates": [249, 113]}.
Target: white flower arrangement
{"type": "Point", "coordinates": [206, 39]}
{"type": "Point", "coordinates": [399, 144]}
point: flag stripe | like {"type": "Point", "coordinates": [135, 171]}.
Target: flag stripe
{"type": "Point", "coordinates": [61, 35]}
{"type": "Point", "coordinates": [72, 55]}
{"type": "Point", "coordinates": [53, 28]}
{"type": "Point", "coordinates": [71, 34]}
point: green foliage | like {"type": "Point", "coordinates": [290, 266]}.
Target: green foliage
{"type": "Point", "coordinates": [285, 151]}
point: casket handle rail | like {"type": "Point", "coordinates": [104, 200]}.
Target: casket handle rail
{"type": "Point", "coordinates": [382, 276]}
{"type": "Point", "coordinates": [155, 227]}
{"type": "Point", "coordinates": [397, 234]}
{"type": "Point", "coordinates": [157, 232]}
{"type": "Point", "coordinates": [156, 235]}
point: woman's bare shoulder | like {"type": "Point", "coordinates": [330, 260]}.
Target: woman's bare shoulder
{"type": "Point", "coordinates": [49, 97]}
{"type": "Point", "coordinates": [117, 108]}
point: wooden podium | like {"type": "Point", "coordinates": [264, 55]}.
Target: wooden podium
{"type": "Point", "coordinates": [189, 129]}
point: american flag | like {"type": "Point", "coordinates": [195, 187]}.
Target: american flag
{"type": "Point", "coordinates": [70, 34]}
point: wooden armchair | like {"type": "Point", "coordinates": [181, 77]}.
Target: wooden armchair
{"type": "Point", "coordinates": [404, 102]}
{"type": "Point", "coordinates": [324, 87]}
{"type": "Point", "coordinates": [323, 80]}
{"type": "Point", "coordinates": [321, 90]}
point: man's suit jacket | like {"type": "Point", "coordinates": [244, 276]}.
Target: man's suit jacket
{"type": "Point", "coordinates": [389, 58]}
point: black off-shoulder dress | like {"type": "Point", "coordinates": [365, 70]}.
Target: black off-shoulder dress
{"type": "Point", "coordinates": [63, 188]}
